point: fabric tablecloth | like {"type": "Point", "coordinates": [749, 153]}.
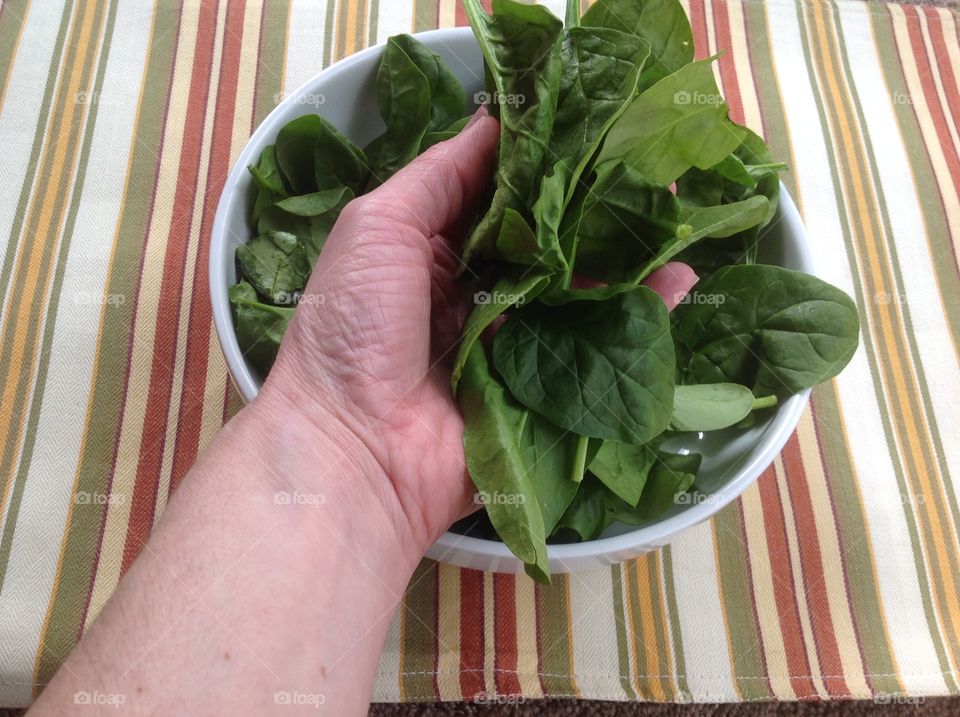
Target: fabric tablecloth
{"type": "Point", "coordinates": [836, 575]}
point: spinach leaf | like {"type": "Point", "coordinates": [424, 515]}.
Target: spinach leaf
{"type": "Point", "coordinates": [553, 465]}
{"type": "Point", "coordinates": [313, 155]}
{"type": "Point", "coordinates": [662, 23]}
{"type": "Point", "coordinates": [492, 442]}
{"type": "Point", "coordinates": [276, 264]}
{"type": "Point", "coordinates": [776, 330]}
{"type": "Point", "coordinates": [586, 517]}
{"type": "Point", "coordinates": [710, 406]}
{"type": "Point", "coordinates": [309, 216]}
{"type": "Point", "coordinates": [260, 327]}
{"type": "Point", "coordinates": [447, 97]}
{"type": "Point", "coordinates": [438, 136]}
{"type": "Point", "coordinates": [671, 476]}
{"type": "Point", "coordinates": [403, 93]}
{"type": "Point", "coordinates": [508, 292]}
{"type": "Point", "coordinates": [623, 467]}
{"type": "Point", "coordinates": [268, 181]}
{"type": "Point", "coordinates": [602, 369]}
{"type": "Point", "coordinates": [521, 47]}
{"type": "Point", "coordinates": [678, 123]}
{"type": "Point", "coordinates": [517, 243]}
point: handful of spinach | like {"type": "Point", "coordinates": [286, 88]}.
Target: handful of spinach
{"type": "Point", "coordinates": [616, 156]}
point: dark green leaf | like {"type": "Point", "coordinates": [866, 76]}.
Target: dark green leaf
{"type": "Point", "coordinates": [260, 327]}
{"type": "Point", "coordinates": [309, 216]}
{"type": "Point", "coordinates": [276, 264]}
{"type": "Point", "coordinates": [623, 467]}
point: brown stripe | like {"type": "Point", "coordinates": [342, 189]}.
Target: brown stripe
{"type": "Point", "coordinates": [814, 581]}
{"type": "Point", "coordinates": [781, 569]}
{"type": "Point", "coordinates": [200, 320]}
{"type": "Point", "coordinates": [728, 70]}
{"type": "Point", "coordinates": [471, 634]}
{"type": "Point", "coordinates": [698, 24]}
{"type": "Point", "coordinates": [505, 634]}
{"type": "Point", "coordinates": [164, 342]}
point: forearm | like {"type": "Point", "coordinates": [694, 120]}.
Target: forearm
{"type": "Point", "coordinates": [313, 548]}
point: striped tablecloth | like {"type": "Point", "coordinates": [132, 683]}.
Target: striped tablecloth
{"type": "Point", "coordinates": [836, 575]}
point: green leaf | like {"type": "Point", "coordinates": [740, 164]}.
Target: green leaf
{"type": "Point", "coordinates": [662, 23]}
{"type": "Point", "coordinates": [276, 264]}
{"type": "Point", "coordinates": [553, 468]}
{"type": "Point", "coordinates": [602, 369]}
{"type": "Point", "coordinates": [678, 123]}
{"type": "Point", "coordinates": [623, 467]}
{"type": "Point", "coordinates": [586, 515]}
{"type": "Point", "coordinates": [432, 138]}
{"type": "Point", "coordinates": [313, 155]}
{"type": "Point", "coordinates": [518, 244]}
{"type": "Point", "coordinates": [492, 442]}
{"type": "Point", "coordinates": [268, 180]}
{"type": "Point", "coordinates": [309, 216]}
{"type": "Point", "coordinates": [447, 97]}
{"type": "Point", "coordinates": [403, 92]}
{"type": "Point", "coordinates": [521, 46]}
{"type": "Point", "coordinates": [508, 292]}
{"type": "Point", "coordinates": [776, 330]}
{"type": "Point", "coordinates": [710, 406]}
{"type": "Point", "coordinates": [671, 476]}
{"type": "Point", "coordinates": [260, 327]}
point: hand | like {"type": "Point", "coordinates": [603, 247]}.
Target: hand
{"type": "Point", "coordinates": [369, 346]}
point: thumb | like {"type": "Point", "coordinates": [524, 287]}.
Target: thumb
{"type": "Point", "coordinates": [434, 190]}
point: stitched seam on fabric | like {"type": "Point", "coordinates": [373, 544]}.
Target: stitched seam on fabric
{"type": "Point", "coordinates": [607, 675]}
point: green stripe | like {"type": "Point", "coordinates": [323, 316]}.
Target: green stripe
{"type": "Point", "coordinates": [554, 636]}
{"type": "Point", "coordinates": [736, 584]}
{"type": "Point", "coordinates": [425, 15]}
{"type": "Point", "coordinates": [641, 668]}
{"type": "Point", "coordinates": [658, 604]}
{"type": "Point", "coordinates": [623, 651]}
{"type": "Point", "coordinates": [328, 41]}
{"type": "Point", "coordinates": [107, 396]}
{"type": "Point", "coordinates": [29, 177]}
{"type": "Point", "coordinates": [866, 287]}
{"type": "Point", "coordinates": [863, 590]}
{"type": "Point", "coordinates": [373, 19]}
{"type": "Point", "coordinates": [11, 25]}
{"type": "Point", "coordinates": [37, 300]}
{"type": "Point", "coordinates": [673, 615]}
{"type": "Point", "coordinates": [418, 654]}
{"type": "Point", "coordinates": [272, 57]}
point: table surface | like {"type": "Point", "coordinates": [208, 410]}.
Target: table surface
{"type": "Point", "coordinates": [835, 576]}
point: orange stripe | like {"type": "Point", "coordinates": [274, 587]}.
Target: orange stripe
{"type": "Point", "coordinates": [472, 647]}
{"type": "Point", "coordinates": [505, 634]}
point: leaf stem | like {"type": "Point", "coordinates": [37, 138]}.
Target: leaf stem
{"type": "Point", "coordinates": [580, 458]}
{"type": "Point", "coordinates": [764, 402]}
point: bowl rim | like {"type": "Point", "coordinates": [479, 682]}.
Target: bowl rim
{"type": "Point", "coordinates": [450, 546]}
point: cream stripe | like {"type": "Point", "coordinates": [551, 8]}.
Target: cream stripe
{"type": "Point", "coordinates": [131, 432]}
{"type": "Point", "coordinates": [20, 114]}
{"type": "Point", "coordinates": [448, 662]}
{"type": "Point", "coordinates": [386, 685]}
{"type": "Point", "coordinates": [796, 572]}
{"type": "Point", "coordinates": [828, 543]}
{"type": "Point", "coordinates": [596, 661]}
{"type": "Point", "coordinates": [706, 648]}
{"type": "Point", "coordinates": [928, 131]}
{"type": "Point", "coordinates": [394, 17]}
{"type": "Point", "coordinates": [489, 653]}
{"type": "Point", "coordinates": [886, 523]}
{"type": "Point", "coordinates": [446, 13]}
{"type": "Point", "coordinates": [764, 596]}
{"type": "Point", "coordinates": [528, 660]}
{"type": "Point", "coordinates": [46, 503]}
{"type": "Point", "coordinates": [305, 42]}
{"type": "Point", "coordinates": [948, 21]}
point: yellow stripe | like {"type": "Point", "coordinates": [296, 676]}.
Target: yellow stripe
{"type": "Point", "coordinates": [648, 632]}
{"type": "Point", "coordinates": [764, 596]}
{"type": "Point", "coordinates": [448, 662]}
{"type": "Point", "coordinates": [446, 13]}
{"type": "Point", "coordinates": [874, 273]}
{"type": "Point", "coordinates": [134, 410]}
{"type": "Point", "coordinates": [671, 685]}
{"type": "Point", "coordinates": [57, 163]}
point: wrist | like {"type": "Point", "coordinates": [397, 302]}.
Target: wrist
{"type": "Point", "coordinates": [323, 479]}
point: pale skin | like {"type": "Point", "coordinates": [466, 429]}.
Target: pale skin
{"type": "Point", "coordinates": [269, 583]}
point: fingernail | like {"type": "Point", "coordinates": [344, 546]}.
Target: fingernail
{"type": "Point", "coordinates": [477, 116]}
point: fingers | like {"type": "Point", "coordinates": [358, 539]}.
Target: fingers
{"type": "Point", "coordinates": [672, 281]}
{"type": "Point", "coordinates": [434, 190]}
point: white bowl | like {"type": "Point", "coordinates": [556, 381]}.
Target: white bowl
{"type": "Point", "coordinates": [345, 95]}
